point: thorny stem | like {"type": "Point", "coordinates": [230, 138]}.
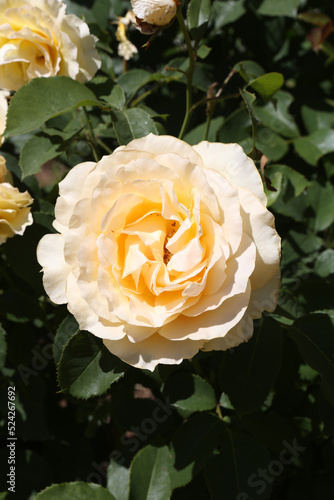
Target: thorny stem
{"type": "Point", "coordinates": [190, 72]}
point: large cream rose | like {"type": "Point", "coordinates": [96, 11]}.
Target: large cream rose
{"type": "Point", "coordinates": [38, 39]}
{"type": "Point", "coordinates": [164, 249]}
{"type": "Point", "coordinates": [15, 213]}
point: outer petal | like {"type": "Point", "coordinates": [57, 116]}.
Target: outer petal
{"type": "Point", "coordinates": [158, 145]}
{"type": "Point", "coordinates": [259, 225]}
{"type": "Point", "coordinates": [87, 318]}
{"type": "Point", "coordinates": [241, 332]}
{"type": "Point", "coordinates": [232, 163]}
{"type": "Point", "coordinates": [71, 190]}
{"type": "Point", "coordinates": [152, 351]}
{"type": "Point", "coordinates": [265, 298]}
{"type": "Point", "coordinates": [50, 255]}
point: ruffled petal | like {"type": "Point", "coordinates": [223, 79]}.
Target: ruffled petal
{"type": "Point", "coordinates": [153, 351]}
{"type": "Point", "coordinates": [50, 255]}
{"type": "Point", "coordinates": [231, 162]}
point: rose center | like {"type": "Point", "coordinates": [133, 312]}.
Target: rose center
{"type": "Point", "coordinates": [167, 253]}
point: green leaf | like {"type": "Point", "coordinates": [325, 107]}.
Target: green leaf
{"type": "Point", "coordinates": [248, 70]}
{"type": "Point", "coordinates": [75, 491]}
{"type": "Point", "coordinates": [314, 119]}
{"type": "Point", "coordinates": [203, 51]}
{"type": "Point", "coordinates": [227, 12]}
{"type": "Point", "coordinates": [132, 124]}
{"type": "Point", "coordinates": [321, 200]}
{"type": "Point", "coordinates": [118, 480]}
{"type": "Point", "coordinates": [190, 392]}
{"type": "Point", "coordinates": [266, 85]}
{"type": "Point", "coordinates": [196, 134]}
{"type": "Point", "coordinates": [314, 336]}
{"type": "Point", "coordinates": [249, 99]}
{"type": "Point", "coordinates": [86, 367]}
{"type": "Point", "coordinates": [194, 440]}
{"type": "Point", "coordinates": [45, 98]}
{"type": "Point", "coordinates": [243, 368]}
{"type": "Point", "coordinates": [36, 151]}
{"type": "Point", "coordinates": [3, 347]}
{"type": "Point", "coordinates": [198, 15]}
{"type": "Point", "coordinates": [234, 472]}
{"type": "Point", "coordinates": [275, 115]}
{"type": "Point", "coordinates": [67, 328]}
{"type": "Point", "coordinates": [276, 183]}
{"type": "Point", "coordinates": [133, 80]}
{"type": "Point", "coordinates": [272, 145]}
{"type": "Point", "coordinates": [149, 475]}
{"type": "Point", "coordinates": [324, 264]}
{"type": "Point", "coordinates": [116, 99]}
{"type": "Point", "coordinates": [279, 8]}
{"type": "Point", "coordinates": [277, 172]}
{"type": "Point", "coordinates": [312, 147]}
{"type": "Point", "coordinates": [299, 243]}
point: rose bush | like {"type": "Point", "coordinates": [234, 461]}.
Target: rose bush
{"type": "Point", "coordinates": [164, 249]}
{"type": "Point", "coordinates": [37, 38]}
{"type": "Point", "coordinates": [15, 213]}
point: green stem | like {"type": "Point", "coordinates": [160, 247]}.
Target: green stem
{"type": "Point", "coordinates": [207, 126]}
{"type": "Point", "coordinates": [104, 146]}
{"type": "Point", "coordinates": [190, 72]}
{"type": "Point", "coordinates": [219, 412]}
{"type": "Point", "coordinates": [92, 136]}
{"type": "Point", "coordinates": [146, 94]}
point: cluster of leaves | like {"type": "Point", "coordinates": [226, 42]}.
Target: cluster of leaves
{"type": "Point", "coordinates": [252, 422]}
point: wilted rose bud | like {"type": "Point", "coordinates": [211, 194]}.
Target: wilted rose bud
{"type": "Point", "coordinates": [152, 15]}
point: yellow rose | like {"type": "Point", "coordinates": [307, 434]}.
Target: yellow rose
{"type": "Point", "coordinates": [38, 39]}
{"type": "Point", "coordinates": [3, 112]}
{"type": "Point", "coordinates": [154, 13]}
{"type": "Point", "coordinates": [15, 213]}
{"type": "Point", "coordinates": [164, 249]}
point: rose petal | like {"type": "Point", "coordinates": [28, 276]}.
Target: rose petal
{"type": "Point", "coordinates": [210, 324]}
{"type": "Point", "coordinates": [231, 162]}
{"type": "Point", "coordinates": [241, 332]}
{"type": "Point", "coordinates": [259, 224]}
{"type": "Point", "coordinates": [152, 351]}
{"type": "Point", "coordinates": [50, 255]}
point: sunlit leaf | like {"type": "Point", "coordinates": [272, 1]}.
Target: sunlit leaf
{"type": "Point", "coordinates": [45, 98]}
